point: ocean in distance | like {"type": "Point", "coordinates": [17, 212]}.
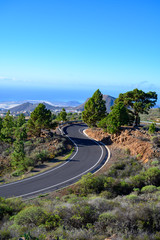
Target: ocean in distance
{"type": "Point", "coordinates": [8, 94]}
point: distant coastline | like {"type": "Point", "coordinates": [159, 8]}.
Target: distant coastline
{"type": "Point", "coordinates": [11, 104]}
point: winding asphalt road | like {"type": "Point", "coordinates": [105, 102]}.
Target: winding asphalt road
{"type": "Point", "coordinates": [88, 156]}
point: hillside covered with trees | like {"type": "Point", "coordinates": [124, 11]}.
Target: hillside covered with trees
{"type": "Point", "coordinates": [25, 145]}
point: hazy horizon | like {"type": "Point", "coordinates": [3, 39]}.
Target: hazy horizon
{"type": "Point", "coordinates": [20, 94]}
{"type": "Point", "coordinates": [72, 48]}
{"type": "Point", "coordinates": [52, 95]}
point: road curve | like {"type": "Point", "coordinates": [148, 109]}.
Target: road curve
{"type": "Point", "coordinates": [88, 156]}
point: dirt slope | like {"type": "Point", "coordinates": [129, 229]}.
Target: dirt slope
{"type": "Point", "coordinates": [137, 142]}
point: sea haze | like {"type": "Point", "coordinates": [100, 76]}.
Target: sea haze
{"type": "Point", "coordinates": [52, 95]}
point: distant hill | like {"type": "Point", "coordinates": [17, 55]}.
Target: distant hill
{"type": "Point", "coordinates": [81, 106]}
{"type": "Point", "coordinates": [29, 107]}
{"type": "Point", "coordinates": [72, 104]}
{"type": "Point", "coordinates": [109, 103]}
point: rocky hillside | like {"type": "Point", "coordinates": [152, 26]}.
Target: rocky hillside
{"type": "Point", "coordinates": [137, 142]}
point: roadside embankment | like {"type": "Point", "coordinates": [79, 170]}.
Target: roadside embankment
{"type": "Point", "coordinates": [136, 142]}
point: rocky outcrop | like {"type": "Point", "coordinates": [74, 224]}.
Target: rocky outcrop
{"type": "Point", "coordinates": [136, 142]}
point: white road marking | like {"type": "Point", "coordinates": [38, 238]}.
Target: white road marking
{"type": "Point", "coordinates": [70, 179]}
{"type": "Point", "coordinates": [109, 153]}
{"type": "Point", "coordinates": [46, 172]}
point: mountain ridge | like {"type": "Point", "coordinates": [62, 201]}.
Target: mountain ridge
{"type": "Point", "coordinates": [29, 107]}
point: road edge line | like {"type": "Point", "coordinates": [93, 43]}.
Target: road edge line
{"type": "Point", "coordinates": [109, 152]}
{"type": "Point", "coordinates": [108, 158]}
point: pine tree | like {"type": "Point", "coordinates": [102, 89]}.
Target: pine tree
{"type": "Point", "coordinates": [116, 118]}
{"type": "Point", "coordinates": [138, 101]}
{"type": "Point", "coordinates": [63, 115]}
{"type": "Point", "coordinates": [18, 155]}
{"type": "Point", "coordinates": [20, 120]}
{"type": "Point", "coordinates": [94, 109]}
{"type": "Point", "coordinates": [41, 118]}
{"type": "Point", "coordinates": [21, 133]}
{"type": "Point", "coordinates": [7, 130]}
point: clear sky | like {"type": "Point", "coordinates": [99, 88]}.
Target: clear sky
{"type": "Point", "coordinates": [113, 45]}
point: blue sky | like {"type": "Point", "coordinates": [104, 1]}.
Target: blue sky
{"type": "Point", "coordinates": [113, 45]}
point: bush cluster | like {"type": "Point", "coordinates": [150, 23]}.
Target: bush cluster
{"type": "Point", "coordinates": [90, 218]}
{"type": "Point", "coordinates": [123, 202]}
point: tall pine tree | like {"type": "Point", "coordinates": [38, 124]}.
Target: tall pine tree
{"type": "Point", "coordinates": [7, 130]}
{"type": "Point", "coordinates": [63, 115]}
{"type": "Point", "coordinates": [41, 118]}
{"type": "Point", "coordinates": [94, 109]}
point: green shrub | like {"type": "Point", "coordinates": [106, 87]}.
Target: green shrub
{"type": "Point", "coordinates": [120, 166]}
{"type": "Point", "coordinates": [138, 181]}
{"type": "Point", "coordinates": [73, 199]}
{"type": "Point", "coordinates": [152, 176]}
{"type": "Point", "coordinates": [103, 205]}
{"type": "Point", "coordinates": [91, 184]}
{"type": "Point", "coordinates": [124, 168]}
{"type": "Point", "coordinates": [105, 220]}
{"type": "Point", "coordinates": [30, 215]}
{"type": "Point", "coordinates": [136, 190]}
{"type": "Point", "coordinates": [5, 234]}
{"type": "Point", "coordinates": [5, 209]}
{"type": "Point", "coordinates": [149, 189]}
{"type": "Point", "coordinates": [16, 204]}
{"type": "Point", "coordinates": [122, 187]}
{"type": "Point", "coordinates": [28, 162]}
{"type": "Point", "coordinates": [42, 156]}
{"type": "Point", "coordinates": [52, 221]}
{"type": "Point", "coordinates": [82, 214]}
{"type": "Point", "coordinates": [18, 172]}
{"type": "Point", "coordinates": [155, 163]}
{"type": "Point", "coordinates": [113, 172]}
{"type": "Point", "coordinates": [152, 128]}
{"type": "Point", "coordinates": [132, 197]}
{"type": "Point", "coordinates": [64, 212]}
{"type": "Point", "coordinates": [109, 183]}
{"type": "Point", "coordinates": [106, 194]}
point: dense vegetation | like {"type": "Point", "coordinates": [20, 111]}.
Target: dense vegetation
{"type": "Point", "coordinates": [24, 145]}
{"type": "Point", "coordinates": [123, 201]}
{"type": "Point", "coordinates": [125, 111]}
